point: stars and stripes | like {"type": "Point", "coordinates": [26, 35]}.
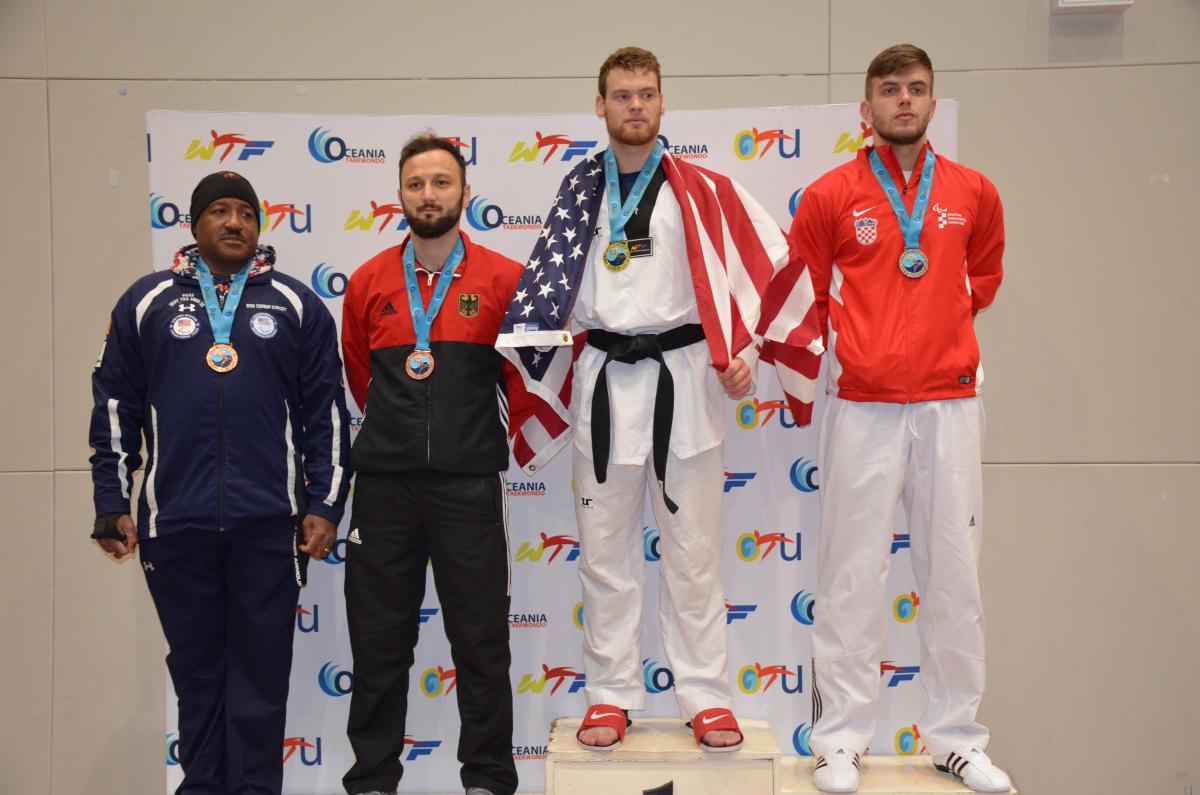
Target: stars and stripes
{"type": "Point", "coordinates": [734, 250]}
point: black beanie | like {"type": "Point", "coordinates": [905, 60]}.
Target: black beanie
{"type": "Point", "coordinates": [221, 185]}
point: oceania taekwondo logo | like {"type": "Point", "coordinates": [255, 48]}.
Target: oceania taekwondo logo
{"type": "Point", "coordinates": [684, 151]}
{"type": "Point", "coordinates": [273, 216]}
{"type": "Point", "coordinates": [528, 753]}
{"type": "Point", "coordinates": [554, 676]}
{"type": "Point", "coordinates": [328, 283]}
{"type": "Point", "coordinates": [227, 143]}
{"type": "Point", "coordinates": [525, 488]}
{"type": "Point", "coordinates": [438, 681]}
{"type": "Point", "coordinates": [551, 144]}
{"type": "Point", "coordinates": [800, 739]}
{"type": "Point", "coordinates": [165, 214]}
{"type": "Point", "coordinates": [899, 673]}
{"type": "Point", "coordinates": [754, 143]}
{"type": "Point", "coordinates": [738, 612]}
{"type": "Point", "coordinates": [803, 475]}
{"type": "Point", "coordinates": [651, 544]}
{"type": "Point", "coordinates": [794, 202]}
{"type": "Point", "coordinates": [755, 546]}
{"type": "Point", "coordinates": [334, 681]}
{"type": "Point", "coordinates": [378, 217]}
{"type": "Point", "coordinates": [904, 607]}
{"type": "Point", "coordinates": [754, 413]}
{"type": "Point", "coordinates": [802, 607]}
{"type": "Point", "coordinates": [757, 678]}
{"type": "Point", "coordinates": [528, 621]}
{"type": "Point", "coordinates": [657, 678]}
{"type": "Point", "coordinates": [847, 142]}
{"type": "Point", "coordinates": [556, 543]}
{"type": "Point", "coordinates": [325, 147]}
{"type": "Point", "coordinates": [485, 216]}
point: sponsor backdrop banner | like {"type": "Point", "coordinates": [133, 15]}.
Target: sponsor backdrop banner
{"type": "Point", "coordinates": [328, 188]}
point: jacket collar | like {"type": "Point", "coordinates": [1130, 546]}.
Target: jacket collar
{"type": "Point", "coordinates": [184, 264]}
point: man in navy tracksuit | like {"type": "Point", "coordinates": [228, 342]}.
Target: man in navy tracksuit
{"type": "Point", "coordinates": [231, 371]}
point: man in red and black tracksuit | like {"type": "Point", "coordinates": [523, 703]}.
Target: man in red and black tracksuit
{"type": "Point", "coordinates": [904, 247]}
{"type": "Point", "coordinates": [419, 324]}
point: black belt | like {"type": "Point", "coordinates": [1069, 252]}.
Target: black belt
{"type": "Point", "coordinates": [628, 349]}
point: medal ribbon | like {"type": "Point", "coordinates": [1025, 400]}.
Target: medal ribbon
{"type": "Point", "coordinates": [221, 319]}
{"type": "Point", "coordinates": [909, 227]}
{"type": "Point", "coordinates": [422, 318]}
{"type": "Point", "coordinates": [619, 215]}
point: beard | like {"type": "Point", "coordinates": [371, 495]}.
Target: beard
{"type": "Point", "coordinates": [618, 133]}
{"type": "Point", "coordinates": [436, 226]}
{"type": "Point", "coordinates": [901, 137]}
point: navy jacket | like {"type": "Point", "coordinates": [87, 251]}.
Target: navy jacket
{"type": "Point", "coordinates": [264, 442]}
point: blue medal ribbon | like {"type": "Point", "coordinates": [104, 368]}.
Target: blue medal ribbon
{"type": "Point", "coordinates": [220, 319]}
{"type": "Point", "coordinates": [422, 317]}
{"type": "Point", "coordinates": [910, 226]}
{"type": "Point", "coordinates": [618, 214]}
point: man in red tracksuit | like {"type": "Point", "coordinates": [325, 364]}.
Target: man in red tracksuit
{"type": "Point", "coordinates": [419, 323]}
{"type": "Point", "coordinates": [904, 248]}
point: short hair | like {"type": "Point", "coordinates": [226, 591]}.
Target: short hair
{"type": "Point", "coordinates": [427, 142]}
{"type": "Point", "coordinates": [631, 59]}
{"type": "Point", "coordinates": [895, 59]}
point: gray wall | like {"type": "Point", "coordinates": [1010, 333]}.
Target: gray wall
{"type": "Point", "coordinates": [1085, 123]}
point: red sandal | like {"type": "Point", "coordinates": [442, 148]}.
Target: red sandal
{"type": "Point", "coordinates": [718, 719]}
{"type": "Point", "coordinates": [608, 717]}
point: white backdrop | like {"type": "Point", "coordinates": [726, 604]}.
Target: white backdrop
{"type": "Point", "coordinates": [328, 186]}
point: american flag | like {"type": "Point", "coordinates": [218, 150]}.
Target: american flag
{"type": "Point", "coordinates": [734, 249]}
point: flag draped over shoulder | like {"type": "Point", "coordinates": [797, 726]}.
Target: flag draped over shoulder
{"type": "Point", "coordinates": [734, 249]}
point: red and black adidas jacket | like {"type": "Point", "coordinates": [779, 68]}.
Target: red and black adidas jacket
{"type": "Point", "coordinates": [456, 420]}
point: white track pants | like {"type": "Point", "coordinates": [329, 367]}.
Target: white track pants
{"type": "Point", "coordinates": [873, 455]}
{"type": "Point", "coordinates": [611, 571]}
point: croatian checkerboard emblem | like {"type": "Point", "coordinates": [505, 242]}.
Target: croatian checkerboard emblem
{"type": "Point", "coordinates": [866, 230]}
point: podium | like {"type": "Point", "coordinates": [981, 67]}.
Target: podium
{"type": "Point", "coordinates": [660, 757]}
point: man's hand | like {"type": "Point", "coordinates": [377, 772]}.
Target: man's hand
{"type": "Point", "coordinates": [319, 535]}
{"type": "Point", "coordinates": [124, 546]}
{"type": "Point", "coordinates": [736, 379]}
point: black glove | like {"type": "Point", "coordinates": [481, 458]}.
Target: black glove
{"type": "Point", "coordinates": [106, 527]}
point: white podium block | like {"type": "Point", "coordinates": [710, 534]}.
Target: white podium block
{"type": "Point", "coordinates": [880, 775]}
{"type": "Point", "coordinates": [661, 751]}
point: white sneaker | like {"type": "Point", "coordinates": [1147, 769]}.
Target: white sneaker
{"type": "Point", "coordinates": [837, 772]}
{"type": "Point", "coordinates": [975, 769]}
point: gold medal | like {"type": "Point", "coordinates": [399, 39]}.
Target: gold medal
{"type": "Point", "coordinates": [616, 256]}
{"type": "Point", "coordinates": [221, 357]}
{"type": "Point", "coordinates": [419, 365]}
{"type": "Point", "coordinates": [913, 263]}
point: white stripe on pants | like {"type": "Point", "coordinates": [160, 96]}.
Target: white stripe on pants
{"type": "Point", "coordinates": [611, 571]}
{"type": "Point", "coordinates": [873, 455]}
